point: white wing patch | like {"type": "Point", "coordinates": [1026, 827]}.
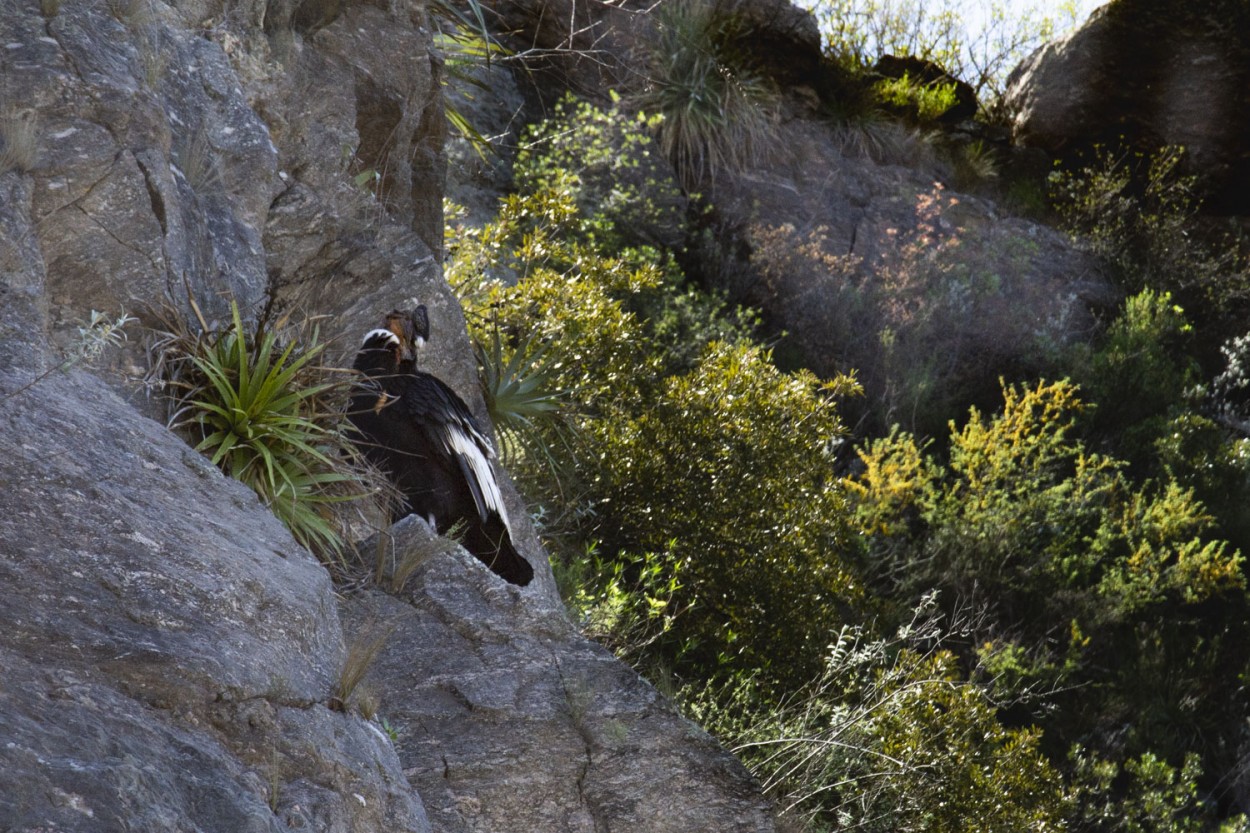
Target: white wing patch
{"type": "Point", "coordinates": [486, 491]}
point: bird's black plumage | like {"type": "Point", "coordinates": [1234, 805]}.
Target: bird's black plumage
{"type": "Point", "coordinates": [416, 429]}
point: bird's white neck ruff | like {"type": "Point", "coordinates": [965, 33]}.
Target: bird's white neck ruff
{"type": "Point", "coordinates": [390, 337]}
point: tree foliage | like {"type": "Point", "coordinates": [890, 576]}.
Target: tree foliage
{"type": "Point", "coordinates": [1139, 212]}
{"type": "Point", "coordinates": [692, 495]}
{"type": "Point", "coordinates": [686, 446]}
{"type": "Point", "coordinates": [1079, 566]}
{"type": "Point", "coordinates": [859, 32]}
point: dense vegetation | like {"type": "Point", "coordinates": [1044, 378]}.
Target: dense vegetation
{"type": "Point", "coordinates": [1028, 619]}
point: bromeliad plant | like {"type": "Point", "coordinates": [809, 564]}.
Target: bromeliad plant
{"type": "Point", "coordinates": [524, 403]}
{"type": "Point", "coordinates": [718, 113]}
{"type": "Point", "coordinates": [258, 403]}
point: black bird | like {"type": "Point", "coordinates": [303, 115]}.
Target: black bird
{"type": "Point", "coordinates": [416, 429]}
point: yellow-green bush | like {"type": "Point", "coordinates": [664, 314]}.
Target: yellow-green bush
{"type": "Point", "coordinates": [1024, 511]}
{"type": "Point", "coordinates": [928, 102]}
{"type": "Point", "coordinates": [1087, 578]}
{"type": "Point", "coordinates": [684, 444]}
{"type": "Point", "coordinates": [889, 736]}
{"type": "Point", "coordinates": [729, 467]}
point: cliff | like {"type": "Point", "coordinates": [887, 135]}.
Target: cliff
{"type": "Point", "coordinates": [171, 657]}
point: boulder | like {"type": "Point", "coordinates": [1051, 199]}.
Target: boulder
{"type": "Point", "coordinates": [930, 296]}
{"type": "Point", "coordinates": [169, 651]}
{"type": "Point", "coordinates": [1147, 73]}
{"type": "Point", "coordinates": [507, 718]}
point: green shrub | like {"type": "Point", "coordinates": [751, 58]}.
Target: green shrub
{"type": "Point", "coordinates": [1139, 213]}
{"type": "Point", "coordinates": [927, 102]}
{"type": "Point", "coordinates": [626, 602]}
{"type": "Point", "coordinates": [1145, 795]}
{"type": "Point", "coordinates": [1140, 375]}
{"type": "Point", "coordinates": [266, 414]}
{"type": "Point", "coordinates": [889, 737]}
{"type": "Point", "coordinates": [728, 467]}
{"type": "Point", "coordinates": [1203, 455]}
{"type": "Point", "coordinates": [609, 163]}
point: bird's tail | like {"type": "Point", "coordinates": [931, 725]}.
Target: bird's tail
{"type": "Point", "coordinates": [492, 545]}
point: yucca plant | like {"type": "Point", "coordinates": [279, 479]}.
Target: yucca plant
{"type": "Point", "coordinates": [466, 42]}
{"type": "Point", "coordinates": [524, 404]}
{"type": "Point", "coordinates": [717, 113]}
{"type": "Point", "coordinates": [264, 412]}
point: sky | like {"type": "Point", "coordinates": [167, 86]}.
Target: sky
{"type": "Point", "coordinates": [1018, 25]}
{"type": "Point", "coordinates": [1016, 8]}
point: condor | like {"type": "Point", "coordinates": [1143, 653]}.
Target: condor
{"type": "Point", "coordinates": [416, 429]}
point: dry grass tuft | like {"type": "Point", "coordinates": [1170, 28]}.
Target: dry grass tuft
{"type": "Point", "coordinates": [133, 12]}
{"type": "Point", "coordinates": [197, 160]}
{"type": "Point", "coordinates": [19, 141]}
{"type": "Point", "coordinates": [153, 55]}
{"type": "Point", "coordinates": [361, 654]}
{"type": "Point", "coordinates": [885, 141]}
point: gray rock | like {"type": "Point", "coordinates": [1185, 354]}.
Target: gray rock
{"type": "Point", "coordinates": [173, 660]}
{"type": "Point", "coordinates": [836, 262]}
{"type": "Point", "coordinates": [154, 168]}
{"type": "Point", "coordinates": [1145, 73]}
{"type": "Point", "coordinates": [23, 301]}
{"type": "Point", "coordinates": [508, 719]}
{"type": "Point", "coordinates": [169, 651]}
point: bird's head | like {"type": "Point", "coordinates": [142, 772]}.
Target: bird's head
{"type": "Point", "coordinates": [411, 328]}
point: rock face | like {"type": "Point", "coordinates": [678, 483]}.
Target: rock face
{"type": "Point", "coordinates": [168, 650]}
{"type": "Point", "coordinates": [850, 242]}
{"type": "Point", "coordinates": [172, 659]}
{"type": "Point", "coordinates": [517, 722]}
{"type": "Point", "coordinates": [928, 294]}
{"type": "Point", "coordinates": [149, 167]}
{"type": "Point", "coordinates": [1151, 72]}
